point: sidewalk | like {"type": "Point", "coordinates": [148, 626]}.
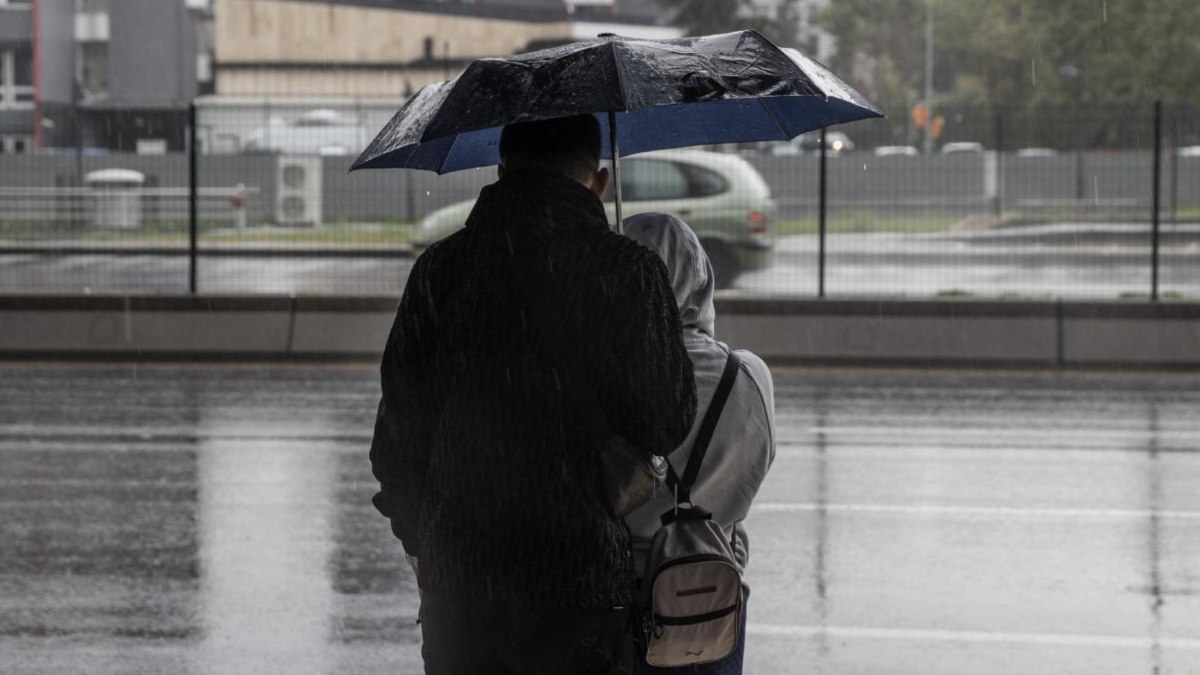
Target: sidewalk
{"type": "Point", "coordinates": [208, 520]}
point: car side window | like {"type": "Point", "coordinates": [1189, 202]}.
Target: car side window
{"type": "Point", "coordinates": [650, 179]}
{"type": "Point", "coordinates": [704, 183]}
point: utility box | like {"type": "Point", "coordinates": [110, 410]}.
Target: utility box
{"type": "Point", "coordinates": [116, 197]}
{"type": "Point", "coordinates": [298, 191]}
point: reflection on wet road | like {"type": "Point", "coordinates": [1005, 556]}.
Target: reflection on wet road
{"type": "Point", "coordinates": [216, 520]}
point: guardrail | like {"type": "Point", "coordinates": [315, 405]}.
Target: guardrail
{"type": "Point", "coordinates": [81, 205]}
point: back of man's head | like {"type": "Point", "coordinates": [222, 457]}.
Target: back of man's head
{"type": "Point", "coordinates": [567, 144]}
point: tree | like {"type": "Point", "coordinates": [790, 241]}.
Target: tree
{"type": "Point", "coordinates": [706, 17]}
{"type": "Point", "coordinates": [1021, 52]}
{"type": "Point", "coordinates": [880, 46]}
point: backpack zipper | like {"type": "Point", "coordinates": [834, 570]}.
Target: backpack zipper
{"type": "Point", "coordinates": [696, 618]}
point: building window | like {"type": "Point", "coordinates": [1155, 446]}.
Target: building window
{"type": "Point", "coordinates": [16, 78]}
{"type": "Point", "coordinates": [15, 145]}
{"type": "Point", "coordinates": [93, 68]}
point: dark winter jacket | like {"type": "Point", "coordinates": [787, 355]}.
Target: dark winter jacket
{"type": "Point", "coordinates": [486, 470]}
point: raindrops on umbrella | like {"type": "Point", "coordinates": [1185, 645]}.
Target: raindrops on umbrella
{"type": "Point", "coordinates": [732, 87]}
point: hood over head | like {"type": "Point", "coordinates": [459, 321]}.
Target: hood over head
{"type": "Point", "coordinates": [690, 271]}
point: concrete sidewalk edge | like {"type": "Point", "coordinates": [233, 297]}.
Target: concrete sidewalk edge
{"type": "Point", "coordinates": [783, 330]}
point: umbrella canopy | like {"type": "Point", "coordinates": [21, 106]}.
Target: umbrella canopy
{"type": "Point", "coordinates": [733, 87]}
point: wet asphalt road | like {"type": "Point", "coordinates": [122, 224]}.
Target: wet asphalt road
{"type": "Point", "coordinates": [1072, 262]}
{"type": "Point", "coordinates": [216, 520]}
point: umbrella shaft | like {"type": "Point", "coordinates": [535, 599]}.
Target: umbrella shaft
{"type": "Point", "coordinates": [616, 167]}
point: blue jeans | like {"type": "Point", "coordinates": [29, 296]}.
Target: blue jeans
{"type": "Point", "coordinates": [730, 665]}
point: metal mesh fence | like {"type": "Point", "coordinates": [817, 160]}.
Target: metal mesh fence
{"type": "Point", "coordinates": [1009, 204]}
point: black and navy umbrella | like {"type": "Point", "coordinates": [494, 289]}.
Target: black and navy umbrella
{"type": "Point", "coordinates": [647, 95]}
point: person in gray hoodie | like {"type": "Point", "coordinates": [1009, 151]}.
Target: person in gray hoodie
{"type": "Point", "coordinates": [743, 443]}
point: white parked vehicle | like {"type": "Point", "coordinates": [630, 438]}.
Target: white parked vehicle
{"type": "Point", "coordinates": [897, 151]}
{"type": "Point", "coordinates": [836, 142]}
{"type": "Point", "coordinates": [961, 146]}
{"type": "Point", "coordinates": [317, 132]}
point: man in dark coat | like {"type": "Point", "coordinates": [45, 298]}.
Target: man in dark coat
{"type": "Point", "coordinates": [487, 471]}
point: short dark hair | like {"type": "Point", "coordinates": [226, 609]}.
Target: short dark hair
{"type": "Point", "coordinates": [568, 144]}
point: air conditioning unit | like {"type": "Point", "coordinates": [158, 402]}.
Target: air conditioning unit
{"type": "Point", "coordinates": [298, 191]}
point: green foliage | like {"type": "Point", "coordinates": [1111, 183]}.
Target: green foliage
{"type": "Point", "coordinates": [1027, 52]}
{"type": "Point", "coordinates": [706, 17]}
{"type": "Point", "coordinates": [880, 46]}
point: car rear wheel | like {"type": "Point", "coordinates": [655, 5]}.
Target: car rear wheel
{"type": "Point", "coordinates": [724, 264]}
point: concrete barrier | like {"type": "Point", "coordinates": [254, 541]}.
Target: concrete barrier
{"type": "Point", "coordinates": [783, 330]}
{"type": "Point", "coordinates": [125, 327]}
{"type": "Point", "coordinates": [897, 332]}
{"type": "Point", "coordinates": [350, 326]}
{"type": "Point", "coordinates": [1137, 335]}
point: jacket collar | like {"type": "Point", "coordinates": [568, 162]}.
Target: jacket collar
{"type": "Point", "coordinates": [537, 203]}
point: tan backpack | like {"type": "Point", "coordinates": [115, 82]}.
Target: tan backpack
{"type": "Point", "coordinates": [691, 598]}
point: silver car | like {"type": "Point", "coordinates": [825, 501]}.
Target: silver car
{"type": "Point", "coordinates": [721, 196]}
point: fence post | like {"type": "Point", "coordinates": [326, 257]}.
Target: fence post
{"type": "Point", "coordinates": [1174, 154]}
{"type": "Point", "coordinates": [998, 203]}
{"type": "Point", "coordinates": [1155, 199]}
{"type": "Point", "coordinates": [821, 199]}
{"type": "Point", "coordinates": [193, 201]}
{"type": "Point", "coordinates": [1154, 208]}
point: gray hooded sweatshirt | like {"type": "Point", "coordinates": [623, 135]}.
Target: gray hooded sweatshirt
{"type": "Point", "coordinates": [743, 444]}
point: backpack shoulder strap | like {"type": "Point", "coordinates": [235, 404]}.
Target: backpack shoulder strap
{"type": "Point", "coordinates": [683, 486]}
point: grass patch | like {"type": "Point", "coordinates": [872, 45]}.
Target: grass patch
{"type": "Point", "coordinates": [157, 233]}
{"type": "Point", "coordinates": [859, 222]}
{"type": "Point", "coordinates": [1137, 295]}
{"type": "Point", "coordinates": [1190, 213]}
{"type": "Point", "coordinates": [334, 235]}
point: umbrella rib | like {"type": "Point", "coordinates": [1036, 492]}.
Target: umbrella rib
{"type": "Point", "coordinates": [770, 113]}
{"type": "Point", "coordinates": [449, 152]}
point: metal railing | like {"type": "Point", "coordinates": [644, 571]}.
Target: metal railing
{"type": "Point", "coordinates": [260, 201]}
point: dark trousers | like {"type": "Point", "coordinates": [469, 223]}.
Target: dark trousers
{"type": "Point", "coordinates": [462, 637]}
